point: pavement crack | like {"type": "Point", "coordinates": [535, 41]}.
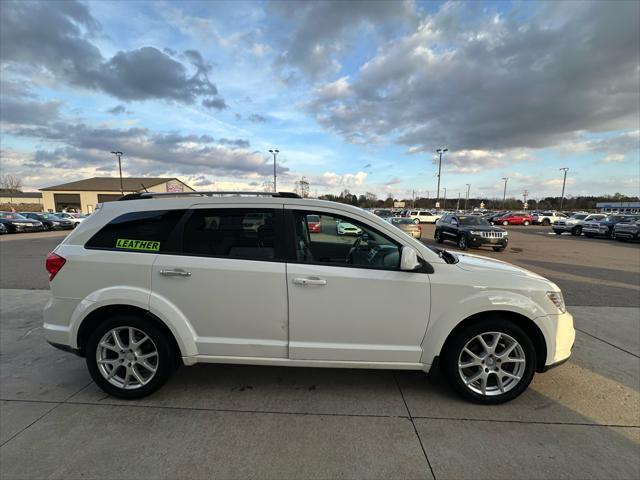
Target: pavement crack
{"type": "Point", "coordinates": [608, 343]}
{"type": "Point", "coordinates": [415, 429]}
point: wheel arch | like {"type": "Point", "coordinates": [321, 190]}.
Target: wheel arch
{"type": "Point", "coordinates": [528, 325]}
{"type": "Point", "coordinates": [93, 319]}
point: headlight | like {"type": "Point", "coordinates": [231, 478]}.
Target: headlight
{"type": "Point", "coordinates": [557, 299]}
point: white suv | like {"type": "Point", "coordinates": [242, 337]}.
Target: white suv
{"type": "Point", "coordinates": [423, 216]}
{"type": "Point", "coordinates": [159, 280]}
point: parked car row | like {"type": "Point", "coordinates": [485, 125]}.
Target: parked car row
{"type": "Point", "coordinates": [14, 222]}
{"type": "Point", "coordinates": [619, 227]}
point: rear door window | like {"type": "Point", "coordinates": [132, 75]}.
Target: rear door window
{"type": "Point", "coordinates": [147, 231]}
{"type": "Point", "coordinates": [233, 233]}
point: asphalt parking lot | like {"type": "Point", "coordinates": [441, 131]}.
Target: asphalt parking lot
{"type": "Point", "coordinates": [581, 420]}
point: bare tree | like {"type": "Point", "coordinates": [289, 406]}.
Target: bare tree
{"type": "Point", "coordinates": [302, 187]}
{"type": "Point", "coordinates": [10, 183]}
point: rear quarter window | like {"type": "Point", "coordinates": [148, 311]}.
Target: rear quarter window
{"type": "Point", "coordinates": [147, 231]}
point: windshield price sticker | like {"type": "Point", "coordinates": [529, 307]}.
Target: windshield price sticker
{"type": "Point", "coordinates": [146, 245]}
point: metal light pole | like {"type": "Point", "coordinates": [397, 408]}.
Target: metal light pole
{"type": "Point", "coordinates": [274, 153]}
{"type": "Point", "coordinates": [440, 151]}
{"type": "Point", "coordinates": [504, 194]}
{"type": "Point", "coordinates": [467, 197]}
{"type": "Point", "coordinates": [119, 154]}
{"type": "Point", "coordinates": [564, 181]}
{"type": "Point", "coordinates": [458, 204]}
{"type": "Point", "coordinates": [525, 194]}
{"type": "Point", "coordinates": [444, 202]}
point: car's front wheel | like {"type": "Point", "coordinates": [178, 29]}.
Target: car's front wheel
{"type": "Point", "coordinates": [577, 231]}
{"type": "Point", "coordinates": [505, 223]}
{"type": "Point", "coordinates": [129, 356]}
{"type": "Point", "coordinates": [462, 242]}
{"type": "Point", "coordinates": [490, 362]}
{"type": "Point", "coordinates": [416, 221]}
{"type": "Point", "coordinates": [438, 237]}
{"type": "Point", "coordinates": [526, 222]}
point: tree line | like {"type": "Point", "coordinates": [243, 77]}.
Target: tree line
{"type": "Point", "coordinates": [370, 200]}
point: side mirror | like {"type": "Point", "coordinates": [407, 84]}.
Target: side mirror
{"type": "Point", "coordinates": [409, 259]}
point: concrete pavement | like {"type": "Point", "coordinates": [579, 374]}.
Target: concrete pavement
{"type": "Point", "coordinates": [581, 420]}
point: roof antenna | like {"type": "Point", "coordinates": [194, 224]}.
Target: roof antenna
{"type": "Point", "coordinates": [145, 188]}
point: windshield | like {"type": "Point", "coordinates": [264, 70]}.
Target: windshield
{"type": "Point", "coordinates": [579, 217]}
{"type": "Point", "coordinates": [47, 216]}
{"type": "Point", "coordinates": [11, 216]}
{"type": "Point", "coordinates": [472, 221]}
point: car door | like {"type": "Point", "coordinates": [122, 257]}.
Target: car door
{"type": "Point", "coordinates": [356, 305]}
{"type": "Point", "coordinates": [226, 275]}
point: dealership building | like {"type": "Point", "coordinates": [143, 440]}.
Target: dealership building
{"type": "Point", "coordinates": [84, 195]}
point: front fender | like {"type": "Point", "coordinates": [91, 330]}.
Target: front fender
{"type": "Point", "coordinates": [445, 317]}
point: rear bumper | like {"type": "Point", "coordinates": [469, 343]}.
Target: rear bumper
{"type": "Point", "coordinates": [57, 314]}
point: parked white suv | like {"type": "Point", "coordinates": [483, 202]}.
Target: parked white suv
{"type": "Point", "coordinates": [575, 222]}
{"type": "Point", "coordinates": [548, 217]}
{"type": "Point", "coordinates": [423, 216]}
{"type": "Point", "coordinates": [145, 284]}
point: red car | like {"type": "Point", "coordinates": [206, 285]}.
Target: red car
{"type": "Point", "coordinates": [314, 223]}
{"type": "Point", "coordinates": [514, 218]}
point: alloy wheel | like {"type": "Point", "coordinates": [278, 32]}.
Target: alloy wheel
{"type": "Point", "coordinates": [491, 364]}
{"type": "Point", "coordinates": [127, 357]}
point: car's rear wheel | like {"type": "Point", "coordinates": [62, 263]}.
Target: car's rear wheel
{"type": "Point", "coordinates": [505, 223]}
{"type": "Point", "coordinates": [557, 232]}
{"type": "Point", "coordinates": [526, 222]}
{"type": "Point", "coordinates": [546, 222]}
{"type": "Point", "coordinates": [438, 236]}
{"type": "Point", "coordinates": [577, 231]}
{"type": "Point", "coordinates": [490, 362]}
{"type": "Point", "coordinates": [589, 235]}
{"type": "Point", "coordinates": [462, 242]}
{"type": "Point", "coordinates": [129, 356]}
{"type": "Point", "coordinates": [416, 221]}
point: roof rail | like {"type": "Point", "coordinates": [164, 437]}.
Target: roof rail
{"type": "Point", "coordinates": [141, 195]}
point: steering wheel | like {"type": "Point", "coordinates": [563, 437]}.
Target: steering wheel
{"type": "Point", "coordinates": [353, 248]}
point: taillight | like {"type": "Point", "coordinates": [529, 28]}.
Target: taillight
{"type": "Point", "coordinates": [53, 264]}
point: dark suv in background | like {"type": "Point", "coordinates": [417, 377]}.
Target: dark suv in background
{"type": "Point", "coordinates": [470, 231]}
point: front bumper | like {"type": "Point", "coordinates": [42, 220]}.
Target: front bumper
{"type": "Point", "coordinates": [626, 234]}
{"type": "Point", "coordinates": [562, 335]}
{"type": "Point", "coordinates": [563, 228]}
{"type": "Point", "coordinates": [25, 228]}
{"type": "Point", "coordinates": [478, 241]}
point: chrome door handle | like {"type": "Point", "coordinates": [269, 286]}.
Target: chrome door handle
{"type": "Point", "coordinates": [309, 281]}
{"type": "Point", "coordinates": [178, 272]}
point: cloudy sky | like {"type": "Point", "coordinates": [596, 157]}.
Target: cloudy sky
{"type": "Point", "coordinates": [356, 95]}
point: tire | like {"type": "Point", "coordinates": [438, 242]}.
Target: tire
{"type": "Point", "coordinates": [416, 221]}
{"type": "Point", "coordinates": [438, 236]}
{"type": "Point", "coordinates": [576, 231]}
{"type": "Point", "coordinates": [620, 239]}
{"type": "Point", "coordinates": [505, 223]}
{"type": "Point", "coordinates": [164, 360]}
{"type": "Point", "coordinates": [557, 232]}
{"type": "Point", "coordinates": [498, 249]}
{"type": "Point", "coordinates": [546, 222]}
{"type": "Point", "coordinates": [462, 242]}
{"type": "Point", "coordinates": [510, 333]}
{"type": "Point", "coordinates": [526, 223]}
{"type": "Point", "coordinates": [589, 235]}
